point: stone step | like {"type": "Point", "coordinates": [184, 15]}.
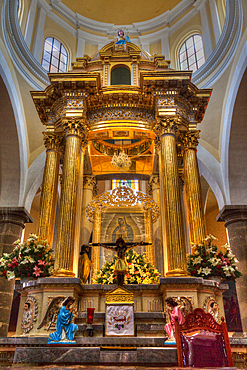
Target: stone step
{"type": "Point", "coordinates": [95, 355]}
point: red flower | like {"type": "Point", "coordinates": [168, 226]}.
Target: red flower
{"type": "Point", "coordinates": [40, 255]}
{"type": "Point", "coordinates": [218, 266]}
{"type": "Point", "coordinates": [193, 273]}
{"type": "Point", "coordinates": [129, 263]}
{"type": "Point", "coordinates": [4, 273]}
{"type": "Point", "coordinates": [128, 276]}
{"type": "Point", "coordinates": [28, 274]}
{"type": "Point", "coordinates": [136, 272]}
{"type": "Point", "coordinates": [204, 254]}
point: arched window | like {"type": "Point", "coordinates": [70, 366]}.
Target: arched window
{"type": "Point", "coordinates": [120, 76]}
{"type": "Point", "coordinates": [54, 56]}
{"type": "Point", "coordinates": [191, 54]}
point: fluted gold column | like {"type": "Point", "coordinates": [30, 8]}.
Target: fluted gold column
{"type": "Point", "coordinates": [193, 187]}
{"type": "Point", "coordinates": [176, 251]}
{"type": "Point", "coordinates": [74, 130]}
{"type": "Point", "coordinates": [49, 187]}
{"type": "Point", "coordinates": [149, 236]}
{"type": "Point", "coordinates": [96, 239]}
{"type": "Point", "coordinates": [154, 190]}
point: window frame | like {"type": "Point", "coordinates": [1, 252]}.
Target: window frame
{"type": "Point", "coordinates": [51, 53]}
{"type": "Point", "coordinates": [194, 54]}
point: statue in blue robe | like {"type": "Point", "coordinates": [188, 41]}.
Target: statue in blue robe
{"type": "Point", "coordinates": [65, 328]}
{"type": "Point", "coordinates": [121, 39]}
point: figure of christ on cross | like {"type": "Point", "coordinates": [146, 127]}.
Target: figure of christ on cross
{"type": "Point", "coordinates": [121, 248]}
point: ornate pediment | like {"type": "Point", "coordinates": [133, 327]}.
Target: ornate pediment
{"type": "Point", "coordinates": [119, 295]}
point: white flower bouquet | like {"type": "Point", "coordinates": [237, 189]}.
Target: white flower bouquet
{"type": "Point", "coordinates": [207, 260]}
{"type": "Point", "coordinates": [31, 259]}
{"type": "Point", "coordinates": [139, 271]}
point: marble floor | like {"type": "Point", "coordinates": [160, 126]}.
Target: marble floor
{"type": "Point", "coordinates": [92, 367]}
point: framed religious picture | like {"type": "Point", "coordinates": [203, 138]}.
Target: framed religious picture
{"type": "Point", "coordinates": [119, 313]}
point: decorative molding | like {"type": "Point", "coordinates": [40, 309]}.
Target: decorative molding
{"type": "Point", "coordinates": [17, 47]}
{"type": "Point", "coordinates": [225, 48]}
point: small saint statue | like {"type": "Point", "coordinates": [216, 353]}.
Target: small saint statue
{"type": "Point", "coordinates": [174, 312]}
{"type": "Point", "coordinates": [65, 328]}
{"type": "Point", "coordinates": [84, 264]}
{"type": "Point", "coordinates": [121, 266]}
{"type": "Point", "coordinates": [121, 39]}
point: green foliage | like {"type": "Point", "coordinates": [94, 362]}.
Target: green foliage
{"type": "Point", "coordinates": [32, 258]}
{"type": "Point", "coordinates": [140, 271]}
{"type": "Point", "coordinates": [206, 260]}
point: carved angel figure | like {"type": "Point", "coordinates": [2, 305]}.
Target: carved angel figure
{"type": "Point", "coordinates": [52, 312]}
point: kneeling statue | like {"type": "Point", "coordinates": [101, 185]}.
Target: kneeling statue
{"type": "Point", "coordinates": [65, 328]}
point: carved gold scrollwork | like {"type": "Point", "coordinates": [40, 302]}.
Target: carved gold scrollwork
{"type": "Point", "coordinates": [75, 127]}
{"type": "Point", "coordinates": [52, 141]}
{"type": "Point", "coordinates": [166, 126]}
{"type": "Point", "coordinates": [190, 139]}
{"type": "Point", "coordinates": [123, 196]}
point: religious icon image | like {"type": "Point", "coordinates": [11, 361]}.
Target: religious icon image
{"type": "Point", "coordinates": [212, 307]}
{"type": "Point", "coordinates": [214, 310]}
{"type": "Point", "coordinates": [174, 311]}
{"type": "Point", "coordinates": [29, 314]}
{"type": "Point", "coordinates": [123, 230]}
{"type": "Point", "coordinates": [65, 328]}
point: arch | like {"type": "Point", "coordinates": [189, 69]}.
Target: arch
{"type": "Point", "coordinates": [15, 172]}
{"type": "Point", "coordinates": [229, 103]}
{"type": "Point", "coordinates": [237, 147]}
{"type": "Point", "coordinates": [210, 169]}
{"type": "Point", "coordinates": [34, 179]}
{"type": "Point", "coordinates": [120, 75]}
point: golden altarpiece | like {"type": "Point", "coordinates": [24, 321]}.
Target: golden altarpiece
{"type": "Point", "coordinates": [154, 113]}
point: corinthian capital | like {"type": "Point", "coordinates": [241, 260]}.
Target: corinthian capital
{"type": "Point", "coordinates": [52, 141]}
{"type": "Point", "coordinates": [190, 139]}
{"type": "Point", "coordinates": [74, 127]}
{"type": "Point", "coordinates": [166, 126]}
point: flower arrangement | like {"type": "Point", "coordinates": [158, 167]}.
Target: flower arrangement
{"type": "Point", "coordinates": [32, 258]}
{"type": "Point", "coordinates": [207, 261]}
{"type": "Point", "coordinates": [140, 271]}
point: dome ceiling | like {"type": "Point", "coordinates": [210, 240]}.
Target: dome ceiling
{"type": "Point", "coordinates": [121, 13]}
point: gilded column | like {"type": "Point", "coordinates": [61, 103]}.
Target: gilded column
{"type": "Point", "coordinates": [149, 236]}
{"type": "Point", "coordinates": [74, 130]}
{"type": "Point", "coordinates": [49, 186]}
{"type": "Point", "coordinates": [193, 187]}
{"type": "Point", "coordinates": [78, 222]}
{"type": "Point", "coordinates": [96, 239]}
{"type": "Point", "coordinates": [176, 251]}
{"type": "Point", "coordinates": [89, 190]}
{"type": "Point", "coordinates": [154, 190]}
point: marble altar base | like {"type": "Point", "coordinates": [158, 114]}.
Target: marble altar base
{"type": "Point", "coordinates": [149, 301]}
